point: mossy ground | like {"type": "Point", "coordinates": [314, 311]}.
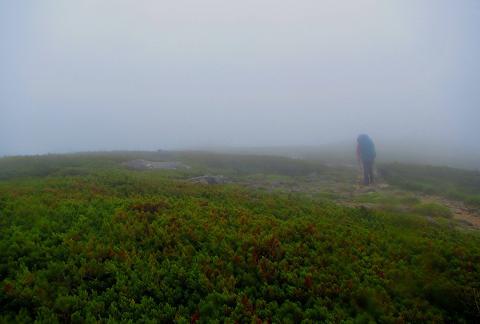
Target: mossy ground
{"type": "Point", "coordinates": [84, 240]}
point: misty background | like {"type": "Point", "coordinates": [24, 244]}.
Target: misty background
{"type": "Point", "coordinates": [123, 74]}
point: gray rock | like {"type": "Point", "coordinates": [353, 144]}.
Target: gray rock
{"type": "Point", "coordinates": [210, 180]}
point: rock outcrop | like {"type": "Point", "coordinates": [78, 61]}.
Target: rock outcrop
{"type": "Point", "coordinates": [210, 180]}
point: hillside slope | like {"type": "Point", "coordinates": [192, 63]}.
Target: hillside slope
{"type": "Point", "coordinates": [94, 241]}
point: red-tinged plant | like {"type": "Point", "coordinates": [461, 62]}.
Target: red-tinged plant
{"type": "Point", "coordinates": [195, 317]}
{"type": "Point", "coordinates": [248, 306]}
{"type": "Point", "coordinates": [149, 207]}
{"type": "Point", "coordinates": [308, 281]}
{"type": "Point", "coordinates": [254, 257]}
{"type": "Point", "coordinates": [9, 289]}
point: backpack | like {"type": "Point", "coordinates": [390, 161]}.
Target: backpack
{"type": "Point", "coordinates": [367, 148]}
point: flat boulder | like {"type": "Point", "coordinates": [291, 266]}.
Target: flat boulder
{"type": "Point", "coordinates": [210, 180]}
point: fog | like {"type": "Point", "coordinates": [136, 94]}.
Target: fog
{"type": "Point", "coordinates": [118, 74]}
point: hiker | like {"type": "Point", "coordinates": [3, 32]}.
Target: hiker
{"type": "Point", "coordinates": [366, 156]}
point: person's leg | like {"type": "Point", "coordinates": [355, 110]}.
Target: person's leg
{"type": "Point", "coordinates": [370, 171]}
{"type": "Point", "coordinates": [366, 175]}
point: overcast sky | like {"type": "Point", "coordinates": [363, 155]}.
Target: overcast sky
{"type": "Point", "coordinates": [138, 74]}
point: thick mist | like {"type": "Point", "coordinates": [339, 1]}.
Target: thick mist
{"type": "Point", "coordinates": [118, 74]}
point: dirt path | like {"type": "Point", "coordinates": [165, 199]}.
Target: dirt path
{"type": "Point", "coordinates": [352, 194]}
{"type": "Point", "coordinates": [465, 215]}
{"type": "Point", "coordinates": [462, 213]}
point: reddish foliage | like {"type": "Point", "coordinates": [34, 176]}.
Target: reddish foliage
{"type": "Point", "coordinates": [275, 248]}
{"type": "Point", "coordinates": [237, 259]}
{"type": "Point", "coordinates": [469, 266]}
{"type": "Point", "coordinates": [247, 304]}
{"type": "Point", "coordinates": [203, 203]}
{"type": "Point", "coordinates": [208, 272]}
{"type": "Point", "coordinates": [267, 271]}
{"type": "Point", "coordinates": [122, 255]}
{"type": "Point", "coordinates": [149, 207]}
{"type": "Point", "coordinates": [349, 284]}
{"type": "Point", "coordinates": [195, 317]}
{"type": "Point", "coordinates": [308, 281]}
{"type": "Point", "coordinates": [311, 229]}
{"type": "Point", "coordinates": [8, 289]}
{"type": "Point", "coordinates": [255, 257]}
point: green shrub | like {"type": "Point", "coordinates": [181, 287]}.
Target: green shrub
{"type": "Point", "coordinates": [433, 210]}
{"type": "Point", "coordinates": [120, 246]}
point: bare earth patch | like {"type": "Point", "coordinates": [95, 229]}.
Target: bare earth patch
{"type": "Point", "coordinates": [380, 196]}
{"type": "Point", "coordinates": [461, 212]}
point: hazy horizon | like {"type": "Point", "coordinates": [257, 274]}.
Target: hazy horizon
{"type": "Point", "coordinates": [146, 75]}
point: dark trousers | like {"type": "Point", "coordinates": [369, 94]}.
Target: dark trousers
{"type": "Point", "coordinates": [368, 172]}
